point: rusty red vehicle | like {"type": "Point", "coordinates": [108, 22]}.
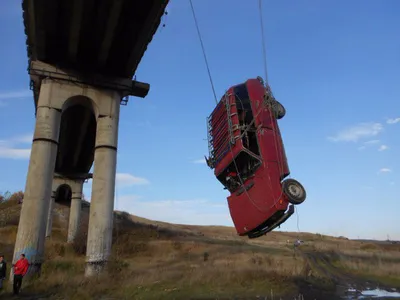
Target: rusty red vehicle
{"type": "Point", "coordinates": [248, 157]}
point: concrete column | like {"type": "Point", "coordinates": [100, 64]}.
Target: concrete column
{"type": "Point", "coordinates": [50, 215]}
{"type": "Point", "coordinates": [103, 188]}
{"type": "Point", "coordinates": [35, 208]}
{"type": "Point", "coordinates": [49, 227]}
{"type": "Point", "coordinates": [75, 211]}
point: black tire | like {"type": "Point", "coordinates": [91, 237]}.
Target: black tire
{"type": "Point", "coordinates": [280, 110]}
{"type": "Point", "coordinates": [294, 191]}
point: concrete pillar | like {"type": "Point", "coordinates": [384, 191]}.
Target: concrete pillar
{"type": "Point", "coordinates": [35, 208]}
{"type": "Point", "coordinates": [50, 215]}
{"type": "Point", "coordinates": [75, 211]}
{"type": "Point", "coordinates": [103, 188]}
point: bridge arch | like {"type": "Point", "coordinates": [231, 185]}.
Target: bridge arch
{"type": "Point", "coordinates": [81, 100]}
{"type": "Point", "coordinates": [77, 135]}
{"type": "Point", "coordinates": [63, 194]}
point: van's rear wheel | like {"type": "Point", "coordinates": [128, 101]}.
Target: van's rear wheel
{"type": "Point", "coordinates": [280, 110]}
{"type": "Point", "coordinates": [295, 192]}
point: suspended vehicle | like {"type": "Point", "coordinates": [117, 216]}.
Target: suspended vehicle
{"type": "Point", "coordinates": [248, 157]}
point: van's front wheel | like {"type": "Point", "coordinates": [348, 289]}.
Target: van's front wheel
{"type": "Point", "coordinates": [295, 192]}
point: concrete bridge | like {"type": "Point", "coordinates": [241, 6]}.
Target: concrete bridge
{"type": "Point", "coordinates": [82, 55]}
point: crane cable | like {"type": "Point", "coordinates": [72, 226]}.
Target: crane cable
{"type": "Point", "coordinates": [263, 42]}
{"type": "Point", "coordinates": [204, 52]}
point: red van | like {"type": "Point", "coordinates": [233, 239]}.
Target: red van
{"type": "Point", "coordinates": [248, 158]}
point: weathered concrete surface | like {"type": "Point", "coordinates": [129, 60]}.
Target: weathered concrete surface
{"type": "Point", "coordinates": [49, 226]}
{"type": "Point", "coordinates": [75, 213]}
{"type": "Point", "coordinates": [56, 97]}
{"type": "Point", "coordinates": [103, 188]}
{"type": "Point", "coordinates": [64, 94]}
{"type": "Point", "coordinates": [76, 186]}
{"type": "Point", "coordinates": [81, 105]}
{"type": "Point", "coordinates": [35, 207]}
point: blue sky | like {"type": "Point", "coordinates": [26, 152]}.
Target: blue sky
{"type": "Point", "coordinates": [335, 65]}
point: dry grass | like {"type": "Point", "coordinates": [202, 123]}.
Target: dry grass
{"type": "Point", "coordinates": [378, 264]}
{"type": "Point", "coordinates": [169, 269]}
{"type": "Point", "coordinates": [156, 260]}
{"type": "Point", "coordinates": [371, 261]}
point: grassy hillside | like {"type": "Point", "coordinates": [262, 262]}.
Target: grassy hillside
{"type": "Point", "coordinates": [157, 260]}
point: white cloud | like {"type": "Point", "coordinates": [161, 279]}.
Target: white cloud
{"type": "Point", "coordinates": [4, 96]}
{"type": "Point", "coordinates": [384, 170]}
{"type": "Point", "coordinates": [26, 139]}
{"type": "Point", "coordinates": [9, 148]}
{"type": "Point", "coordinates": [126, 179]}
{"type": "Point", "coordinates": [14, 153]}
{"type": "Point", "coordinates": [15, 94]}
{"type": "Point", "coordinates": [191, 212]}
{"type": "Point", "coordinates": [393, 121]}
{"type": "Point", "coordinates": [383, 148]}
{"type": "Point", "coordinates": [372, 142]}
{"type": "Point", "coordinates": [357, 132]}
{"type": "Point", "coordinates": [199, 161]}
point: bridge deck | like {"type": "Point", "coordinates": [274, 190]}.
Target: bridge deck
{"type": "Point", "coordinates": [108, 37]}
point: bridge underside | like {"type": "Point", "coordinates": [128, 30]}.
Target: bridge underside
{"type": "Point", "coordinates": [107, 37]}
